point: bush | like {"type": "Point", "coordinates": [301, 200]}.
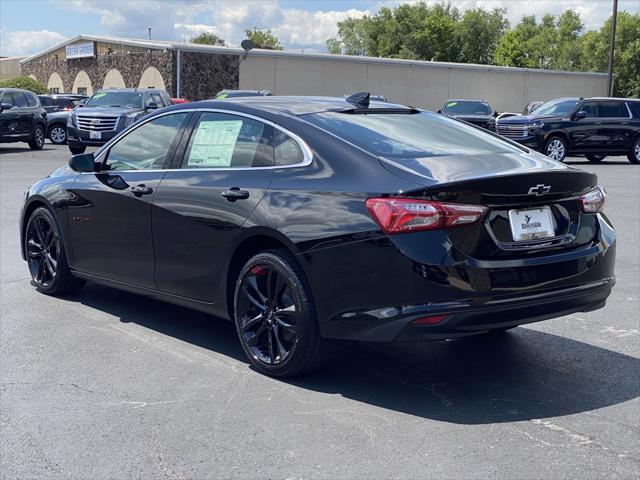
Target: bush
{"type": "Point", "coordinates": [25, 83]}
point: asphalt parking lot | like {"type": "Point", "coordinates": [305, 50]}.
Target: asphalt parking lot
{"type": "Point", "coordinates": [105, 384]}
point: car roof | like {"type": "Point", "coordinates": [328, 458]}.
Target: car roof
{"type": "Point", "coordinates": [130, 90]}
{"type": "Point", "coordinates": [614, 98]}
{"type": "Point", "coordinates": [292, 105]}
{"type": "Point", "coordinates": [466, 100]}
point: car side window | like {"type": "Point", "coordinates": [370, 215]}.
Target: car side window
{"type": "Point", "coordinates": [6, 98]}
{"type": "Point", "coordinates": [635, 108]}
{"type": "Point", "coordinates": [148, 99]}
{"type": "Point", "coordinates": [613, 110]}
{"type": "Point", "coordinates": [222, 140]}
{"type": "Point", "coordinates": [146, 147]}
{"type": "Point", "coordinates": [19, 100]}
{"type": "Point", "coordinates": [157, 99]}
{"type": "Point", "coordinates": [32, 101]}
{"type": "Point", "coordinates": [286, 150]}
{"type": "Point", "coordinates": [591, 108]}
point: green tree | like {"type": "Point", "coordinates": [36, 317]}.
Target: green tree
{"type": "Point", "coordinates": [25, 83]}
{"type": "Point", "coordinates": [351, 37]}
{"type": "Point", "coordinates": [205, 39]}
{"type": "Point", "coordinates": [479, 32]}
{"type": "Point", "coordinates": [263, 39]}
{"type": "Point", "coordinates": [513, 48]}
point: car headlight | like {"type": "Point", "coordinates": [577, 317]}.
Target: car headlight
{"type": "Point", "coordinates": [129, 119]}
{"type": "Point", "coordinates": [69, 120]}
{"type": "Point", "coordinates": [535, 125]}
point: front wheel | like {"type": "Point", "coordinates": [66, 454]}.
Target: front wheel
{"type": "Point", "coordinates": [595, 158]}
{"type": "Point", "coordinates": [46, 257]}
{"type": "Point", "coordinates": [58, 135]}
{"type": "Point", "coordinates": [634, 153]}
{"type": "Point", "coordinates": [556, 148]}
{"type": "Point", "coordinates": [37, 138]}
{"type": "Point", "coordinates": [77, 150]}
{"type": "Point", "coordinates": [275, 317]}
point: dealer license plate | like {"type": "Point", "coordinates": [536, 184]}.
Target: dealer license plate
{"type": "Point", "coordinates": [93, 135]}
{"type": "Point", "coordinates": [531, 224]}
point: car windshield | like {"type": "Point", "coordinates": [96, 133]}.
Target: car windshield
{"type": "Point", "coordinates": [116, 99]}
{"type": "Point", "coordinates": [410, 135]}
{"type": "Point", "coordinates": [458, 107]}
{"type": "Point", "coordinates": [556, 107]}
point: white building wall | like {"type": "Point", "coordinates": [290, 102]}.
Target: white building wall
{"type": "Point", "coordinates": [420, 84]}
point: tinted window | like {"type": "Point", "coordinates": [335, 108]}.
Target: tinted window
{"type": "Point", "coordinates": [32, 101]}
{"type": "Point", "coordinates": [6, 98]}
{"type": "Point", "coordinates": [222, 141]}
{"type": "Point", "coordinates": [590, 108]}
{"type": "Point", "coordinates": [116, 99]}
{"type": "Point", "coordinates": [395, 135]}
{"type": "Point", "coordinates": [19, 100]}
{"type": "Point", "coordinates": [157, 99]}
{"type": "Point", "coordinates": [635, 108]}
{"type": "Point", "coordinates": [147, 146]}
{"type": "Point", "coordinates": [556, 107]}
{"type": "Point", "coordinates": [613, 110]}
{"type": "Point", "coordinates": [457, 107]}
{"type": "Point", "coordinates": [45, 101]}
{"type": "Point", "coordinates": [286, 149]}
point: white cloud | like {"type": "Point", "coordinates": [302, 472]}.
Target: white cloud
{"type": "Point", "coordinates": [26, 42]}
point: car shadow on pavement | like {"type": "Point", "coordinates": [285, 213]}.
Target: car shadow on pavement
{"type": "Point", "coordinates": [519, 375]}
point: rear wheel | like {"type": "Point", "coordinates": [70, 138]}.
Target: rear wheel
{"type": "Point", "coordinates": [275, 317]}
{"type": "Point", "coordinates": [634, 153]}
{"type": "Point", "coordinates": [46, 257]}
{"type": "Point", "coordinates": [37, 138]}
{"type": "Point", "coordinates": [58, 134]}
{"type": "Point", "coordinates": [77, 150]}
{"type": "Point", "coordinates": [556, 148]}
{"type": "Point", "coordinates": [595, 158]}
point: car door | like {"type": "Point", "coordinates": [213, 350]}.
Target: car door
{"type": "Point", "coordinates": [110, 221]}
{"type": "Point", "coordinates": [616, 127]}
{"type": "Point", "coordinates": [24, 114]}
{"type": "Point", "coordinates": [8, 117]}
{"type": "Point", "coordinates": [584, 131]}
{"type": "Point", "coordinates": [222, 172]}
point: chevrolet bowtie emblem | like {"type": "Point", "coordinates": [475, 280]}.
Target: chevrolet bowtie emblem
{"type": "Point", "coordinates": [539, 190]}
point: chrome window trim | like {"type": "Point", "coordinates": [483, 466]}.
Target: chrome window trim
{"type": "Point", "coordinates": [306, 151]}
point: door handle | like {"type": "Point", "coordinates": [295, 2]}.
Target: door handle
{"type": "Point", "coordinates": [140, 190]}
{"type": "Point", "coordinates": [234, 193]}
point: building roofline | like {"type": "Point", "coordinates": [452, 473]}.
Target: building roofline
{"type": "Point", "coordinates": [193, 47]}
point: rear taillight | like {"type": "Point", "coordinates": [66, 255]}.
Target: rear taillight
{"type": "Point", "coordinates": [593, 202]}
{"type": "Point", "coordinates": [401, 215]}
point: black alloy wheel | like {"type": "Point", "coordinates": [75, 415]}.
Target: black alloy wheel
{"type": "Point", "coordinates": [37, 139]}
{"type": "Point", "coordinates": [275, 318]}
{"type": "Point", "coordinates": [594, 157]}
{"type": "Point", "coordinates": [46, 256]}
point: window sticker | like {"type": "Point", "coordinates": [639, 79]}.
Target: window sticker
{"type": "Point", "coordinates": [214, 143]}
{"type": "Point", "coordinates": [222, 96]}
{"type": "Point", "coordinates": [99, 95]}
{"type": "Point", "coordinates": [452, 104]}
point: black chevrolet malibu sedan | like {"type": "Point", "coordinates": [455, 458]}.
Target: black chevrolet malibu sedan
{"type": "Point", "coordinates": [310, 219]}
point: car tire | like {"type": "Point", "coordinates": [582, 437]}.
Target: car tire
{"type": "Point", "coordinates": [37, 138]}
{"type": "Point", "coordinates": [594, 157]}
{"type": "Point", "coordinates": [634, 153]}
{"type": "Point", "coordinates": [77, 150]}
{"type": "Point", "coordinates": [46, 256]}
{"type": "Point", "coordinates": [275, 317]}
{"type": "Point", "coordinates": [58, 134]}
{"type": "Point", "coordinates": [556, 148]}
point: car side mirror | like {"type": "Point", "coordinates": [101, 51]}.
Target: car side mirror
{"type": "Point", "coordinates": [5, 106]}
{"type": "Point", "coordinates": [84, 162]}
{"type": "Point", "coordinates": [81, 104]}
{"type": "Point", "coordinates": [580, 115]}
{"type": "Point", "coordinates": [152, 106]}
{"type": "Point", "coordinates": [495, 113]}
{"type": "Point", "coordinates": [439, 110]}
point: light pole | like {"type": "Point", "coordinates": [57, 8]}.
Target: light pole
{"type": "Point", "coordinates": [612, 41]}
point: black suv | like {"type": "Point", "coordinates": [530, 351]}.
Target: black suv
{"type": "Point", "coordinates": [57, 102]}
{"type": "Point", "coordinates": [22, 118]}
{"type": "Point", "coordinates": [108, 112]}
{"type": "Point", "coordinates": [593, 127]}
{"type": "Point", "coordinates": [476, 112]}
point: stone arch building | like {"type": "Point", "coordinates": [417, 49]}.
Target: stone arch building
{"type": "Point", "coordinates": [113, 79]}
{"type": "Point", "coordinates": [151, 78]}
{"type": "Point", "coordinates": [55, 84]}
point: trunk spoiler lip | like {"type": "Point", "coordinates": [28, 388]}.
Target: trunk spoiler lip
{"type": "Point", "coordinates": [435, 185]}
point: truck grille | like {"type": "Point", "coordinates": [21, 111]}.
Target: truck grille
{"type": "Point", "coordinates": [513, 131]}
{"type": "Point", "coordinates": [99, 124]}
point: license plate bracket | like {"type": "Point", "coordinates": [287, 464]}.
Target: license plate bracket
{"type": "Point", "coordinates": [94, 135]}
{"type": "Point", "coordinates": [531, 224]}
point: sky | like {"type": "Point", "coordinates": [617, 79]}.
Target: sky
{"type": "Point", "coordinates": [29, 26]}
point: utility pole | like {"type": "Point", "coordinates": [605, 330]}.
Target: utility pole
{"type": "Point", "coordinates": [149, 29]}
{"type": "Point", "coordinates": [612, 41]}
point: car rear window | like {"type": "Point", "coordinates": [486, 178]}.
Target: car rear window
{"type": "Point", "coordinates": [459, 107]}
{"type": "Point", "coordinates": [400, 135]}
